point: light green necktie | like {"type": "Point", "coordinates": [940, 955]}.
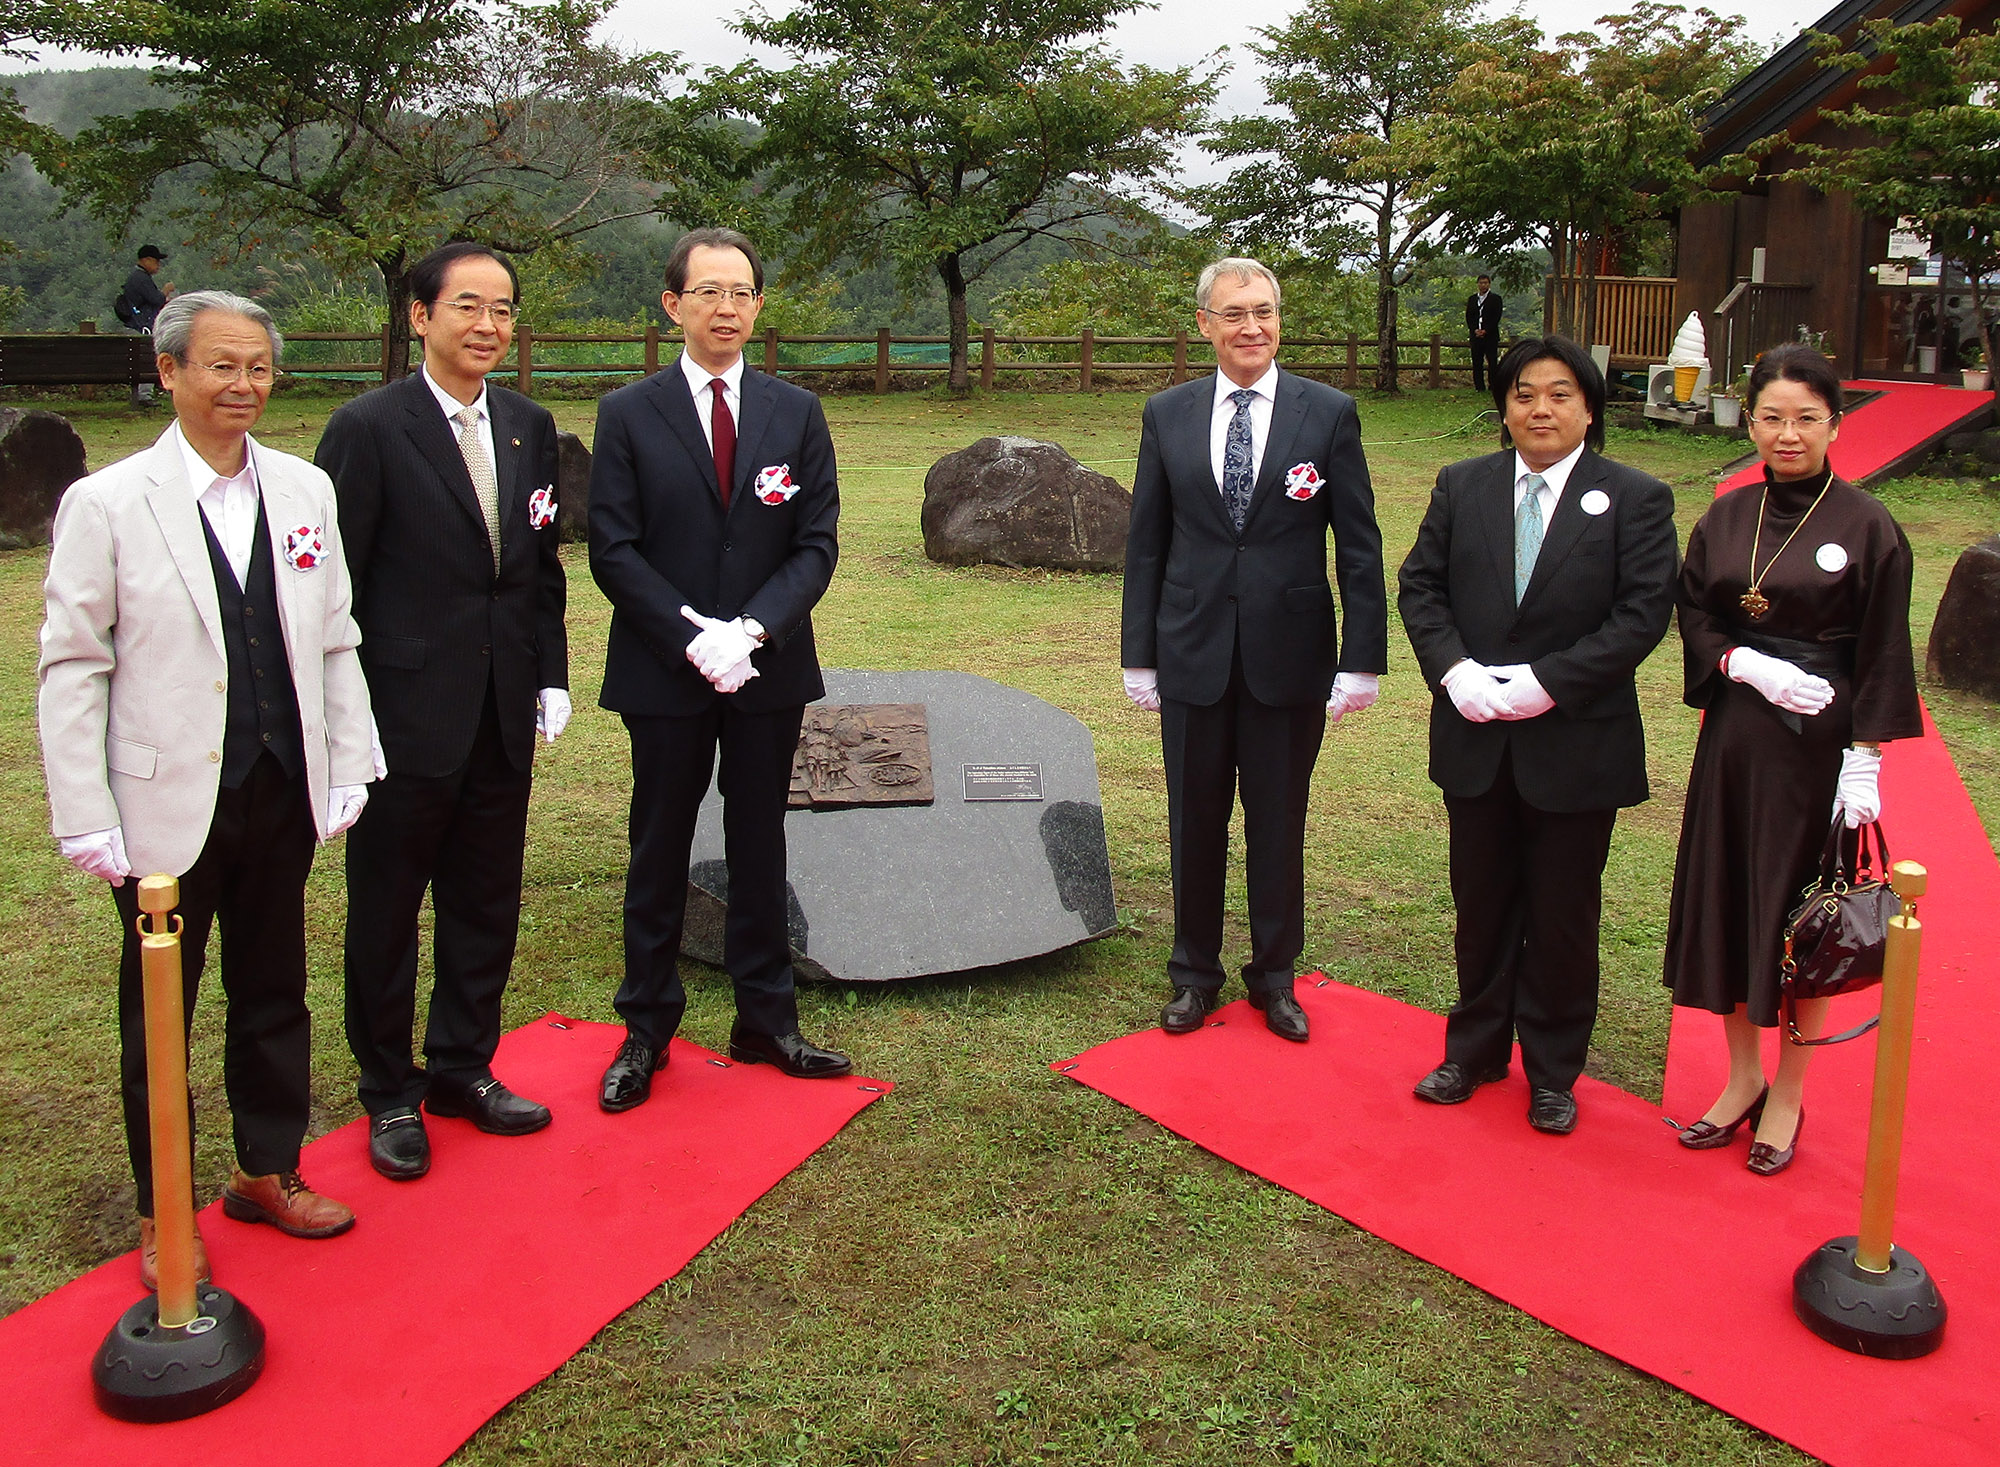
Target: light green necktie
{"type": "Point", "coordinates": [1527, 534]}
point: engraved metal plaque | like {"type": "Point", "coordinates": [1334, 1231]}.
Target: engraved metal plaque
{"type": "Point", "coordinates": [1001, 781]}
{"type": "Point", "coordinates": [862, 754]}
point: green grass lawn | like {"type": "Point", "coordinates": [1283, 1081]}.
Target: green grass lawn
{"type": "Point", "coordinates": [992, 1264]}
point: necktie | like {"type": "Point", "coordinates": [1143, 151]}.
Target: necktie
{"type": "Point", "coordinates": [722, 428]}
{"type": "Point", "coordinates": [1527, 533]}
{"type": "Point", "coordinates": [484, 485]}
{"type": "Point", "coordinates": [1239, 469]}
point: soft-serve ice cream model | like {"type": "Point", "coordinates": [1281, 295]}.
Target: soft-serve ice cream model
{"type": "Point", "coordinates": [1682, 381]}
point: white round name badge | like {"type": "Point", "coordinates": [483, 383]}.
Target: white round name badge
{"type": "Point", "coordinates": [1832, 558]}
{"type": "Point", "coordinates": [1596, 502]}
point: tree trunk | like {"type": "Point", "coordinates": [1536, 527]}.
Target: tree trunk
{"type": "Point", "coordinates": [396, 291]}
{"type": "Point", "coordinates": [1589, 256]}
{"type": "Point", "coordinates": [1388, 308]}
{"type": "Point", "coordinates": [953, 276]}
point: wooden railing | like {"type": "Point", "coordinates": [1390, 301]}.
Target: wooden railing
{"type": "Point", "coordinates": [1635, 315]}
{"type": "Point", "coordinates": [1753, 318]}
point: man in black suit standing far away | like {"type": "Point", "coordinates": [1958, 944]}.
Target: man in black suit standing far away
{"type": "Point", "coordinates": [713, 506]}
{"type": "Point", "coordinates": [1229, 629]}
{"type": "Point", "coordinates": [1541, 577]}
{"type": "Point", "coordinates": [1482, 328]}
{"type": "Point", "coordinates": [447, 505]}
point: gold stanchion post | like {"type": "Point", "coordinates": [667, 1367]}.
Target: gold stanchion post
{"type": "Point", "coordinates": [190, 1347]}
{"type": "Point", "coordinates": [1861, 1292]}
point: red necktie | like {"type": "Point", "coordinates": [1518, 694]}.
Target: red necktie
{"type": "Point", "coordinates": [723, 429]}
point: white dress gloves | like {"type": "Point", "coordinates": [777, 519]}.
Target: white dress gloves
{"type": "Point", "coordinates": [1521, 691]}
{"type": "Point", "coordinates": [551, 713]}
{"type": "Point", "coordinates": [1784, 684]}
{"type": "Point", "coordinates": [1142, 686]}
{"type": "Point", "coordinates": [1482, 694]}
{"type": "Point", "coordinates": [721, 651]}
{"type": "Point", "coordinates": [343, 807]}
{"type": "Point", "coordinates": [1859, 793]}
{"type": "Point", "coordinates": [375, 749]}
{"type": "Point", "coordinates": [101, 853]}
{"type": "Point", "coordinates": [1352, 692]}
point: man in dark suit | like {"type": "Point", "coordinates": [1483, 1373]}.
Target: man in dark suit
{"type": "Point", "coordinates": [713, 507]}
{"type": "Point", "coordinates": [1229, 628]}
{"type": "Point", "coordinates": [1541, 577]}
{"type": "Point", "coordinates": [447, 504]}
{"type": "Point", "coordinates": [1482, 326]}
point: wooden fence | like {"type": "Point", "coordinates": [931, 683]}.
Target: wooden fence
{"type": "Point", "coordinates": [1635, 315]}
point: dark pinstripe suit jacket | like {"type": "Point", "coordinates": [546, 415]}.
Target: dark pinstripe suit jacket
{"type": "Point", "coordinates": [437, 623]}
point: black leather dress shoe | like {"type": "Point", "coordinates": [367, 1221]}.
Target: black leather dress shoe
{"type": "Point", "coordinates": [487, 1103]}
{"type": "Point", "coordinates": [398, 1146]}
{"type": "Point", "coordinates": [1553, 1111]}
{"type": "Point", "coordinates": [1187, 1009]}
{"type": "Point", "coordinates": [1282, 1015]}
{"type": "Point", "coordinates": [629, 1080]}
{"type": "Point", "coordinates": [791, 1053]}
{"type": "Point", "coordinates": [1451, 1082]}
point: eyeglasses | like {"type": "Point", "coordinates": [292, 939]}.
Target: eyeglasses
{"type": "Point", "coordinates": [1237, 315]}
{"type": "Point", "coordinates": [258, 374]}
{"type": "Point", "coordinates": [1804, 422]}
{"type": "Point", "coordinates": [712, 295]}
{"type": "Point", "coordinates": [502, 312]}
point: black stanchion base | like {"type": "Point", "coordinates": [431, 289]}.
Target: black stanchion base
{"type": "Point", "coordinates": [1897, 1315]}
{"type": "Point", "coordinates": [146, 1373]}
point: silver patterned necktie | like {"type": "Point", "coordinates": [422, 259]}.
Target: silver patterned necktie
{"type": "Point", "coordinates": [1239, 470]}
{"type": "Point", "coordinates": [484, 484]}
{"type": "Point", "coordinates": [1527, 533]}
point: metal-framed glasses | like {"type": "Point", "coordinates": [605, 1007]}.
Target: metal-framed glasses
{"type": "Point", "coordinates": [713, 295]}
{"type": "Point", "coordinates": [502, 312]}
{"type": "Point", "coordinates": [1804, 422]}
{"type": "Point", "coordinates": [257, 374]}
{"type": "Point", "coordinates": [1237, 315]}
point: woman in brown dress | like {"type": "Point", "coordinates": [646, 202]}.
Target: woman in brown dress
{"type": "Point", "coordinates": [1795, 621]}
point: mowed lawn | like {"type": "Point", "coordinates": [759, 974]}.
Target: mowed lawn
{"type": "Point", "coordinates": [992, 1264]}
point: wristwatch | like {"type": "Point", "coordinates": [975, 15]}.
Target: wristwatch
{"type": "Point", "coordinates": [755, 630]}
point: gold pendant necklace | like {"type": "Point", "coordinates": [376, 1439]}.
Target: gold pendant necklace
{"type": "Point", "coordinates": [1754, 601]}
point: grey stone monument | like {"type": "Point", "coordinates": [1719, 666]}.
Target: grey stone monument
{"type": "Point", "coordinates": [41, 455]}
{"type": "Point", "coordinates": [1021, 502]}
{"type": "Point", "coordinates": [1008, 860]}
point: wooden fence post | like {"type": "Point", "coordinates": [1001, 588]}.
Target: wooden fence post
{"type": "Point", "coordinates": [652, 348]}
{"type": "Point", "coordinates": [1180, 357]}
{"type": "Point", "coordinates": [1353, 361]}
{"type": "Point", "coordinates": [770, 351]}
{"type": "Point", "coordinates": [86, 328]}
{"type": "Point", "coordinates": [1087, 343]}
{"type": "Point", "coordinates": [524, 361]}
{"type": "Point", "coordinates": [881, 359]}
{"type": "Point", "coordinates": [1437, 360]}
{"type": "Point", "coordinates": [986, 360]}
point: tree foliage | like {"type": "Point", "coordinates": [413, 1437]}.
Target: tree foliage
{"type": "Point", "coordinates": [941, 135]}
{"type": "Point", "coordinates": [1335, 176]}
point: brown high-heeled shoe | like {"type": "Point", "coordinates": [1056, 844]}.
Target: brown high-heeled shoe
{"type": "Point", "coordinates": [1707, 1136]}
{"type": "Point", "coordinates": [1767, 1160]}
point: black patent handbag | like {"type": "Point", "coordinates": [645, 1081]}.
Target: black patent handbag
{"type": "Point", "coordinates": [1836, 936]}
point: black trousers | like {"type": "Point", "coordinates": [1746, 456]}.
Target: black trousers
{"type": "Point", "coordinates": [461, 835]}
{"type": "Point", "coordinates": [1528, 886]}
{"type": "Point", "coordinates": [1211, 751]}
{"type": "Point", "coordinates": [671, 762]}
{"type": "Point", "coordinates": [1485, 358]}
{"type": "Point", "coordinates": [250, 882]}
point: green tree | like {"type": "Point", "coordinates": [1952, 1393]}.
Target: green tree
{"type": "Point", "coordinates": [1926, 144]}
{"type": "Point", "coordinates": [941, 135]}
{"type": "Point", "coordinates": [377, 128]}
{"type": "Point", "coordinates": [1335, 176]}
{"type": "Point", "coordinates": [1567, 143]}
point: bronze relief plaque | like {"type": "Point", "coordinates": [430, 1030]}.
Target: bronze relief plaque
{"type": "Point", "coordinates": [862, 754]}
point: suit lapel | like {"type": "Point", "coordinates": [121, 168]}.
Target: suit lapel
{"type": "Point", "coordinates": [284, 511]}
{"type": "Point", "coordinates": [1495, 501]}
{"type": "Point", "coordinates": [752, 427]}
{"type": "Point", "coordinates": [674, 401]}
{"type": "Point", "coordinates": [1185, 435]}
{"type": "Point", "coordinates": [507, 452]}
{"type": "Point", "coordinates": [1288, 415]}
{"type": "Point", "coordinates": [436, 439]}
{"type": "Point", "coordinates": [1568, 525]}
{"type": "Point", "coordinates": [172, 500]}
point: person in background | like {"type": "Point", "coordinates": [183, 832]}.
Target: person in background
{"type": "Point", "coordinates": [1482, 327]}
{"type": "Point", "coordinates": [138, 304]}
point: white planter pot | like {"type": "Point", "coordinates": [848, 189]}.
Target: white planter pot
{"type": "Point", "coordinates": [1977, 381]}
{"type": "Point", "coordinates": [1728, 410]}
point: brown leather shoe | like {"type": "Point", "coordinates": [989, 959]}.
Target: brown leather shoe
{"type": "Point", "coordinates": [283, 1200]}
{"type": "Point", "coordinates": [149, 1255]}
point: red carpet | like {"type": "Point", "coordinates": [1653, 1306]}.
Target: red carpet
{"type": "Point", "coordinates": [452, 1295]}
{"type": "Point", "coordinates": [1877, 433]}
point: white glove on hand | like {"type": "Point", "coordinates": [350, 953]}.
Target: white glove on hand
{"type": "Point", "coordinates": [101, 853]}
{"type": "Point", "coordinates": [1475, 692]}
{"type": "Point", "coordinates": [1859, 793]}
{"type": "Point", "coordinates": [1352, 692]}
{"type": "Point", "coordinates": [735, 677]}
{"type": "Point", "coordinates": [1142, 686]}
{"type": "Point", "coordinates": [551, 713]}
{"type": "Point", "coordinates": [1521, 692]}
{"type": "Point", "coordinates": [718, 646]}
{"type": "Point", "coordinates": [1784, 684]}
{"type": "Point", "coordinates": [375, 749]}
{"type": "Point", "coordinates": [343, 807]}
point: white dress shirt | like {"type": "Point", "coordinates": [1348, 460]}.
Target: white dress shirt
{"type": "Point", "coordinates": [698, 378]}
{"type": "Point", "coordinates": [1555, 478]}
{"type": "Point", "coordinates": [1261, 408]}
{"type": "Point", "coordinates": [227, 502]}
{"type": "Point", "coordinates": [452, 407]}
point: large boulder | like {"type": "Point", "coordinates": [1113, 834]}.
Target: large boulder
{"type": "Point", "coordinates": [573, 489]}
{"type": "Point", "coordinates": [1965, 638]}
{"type": "Point", "coordinates": [1021, 502]}
{"type": "Point", "coordinates": [40, 456]}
